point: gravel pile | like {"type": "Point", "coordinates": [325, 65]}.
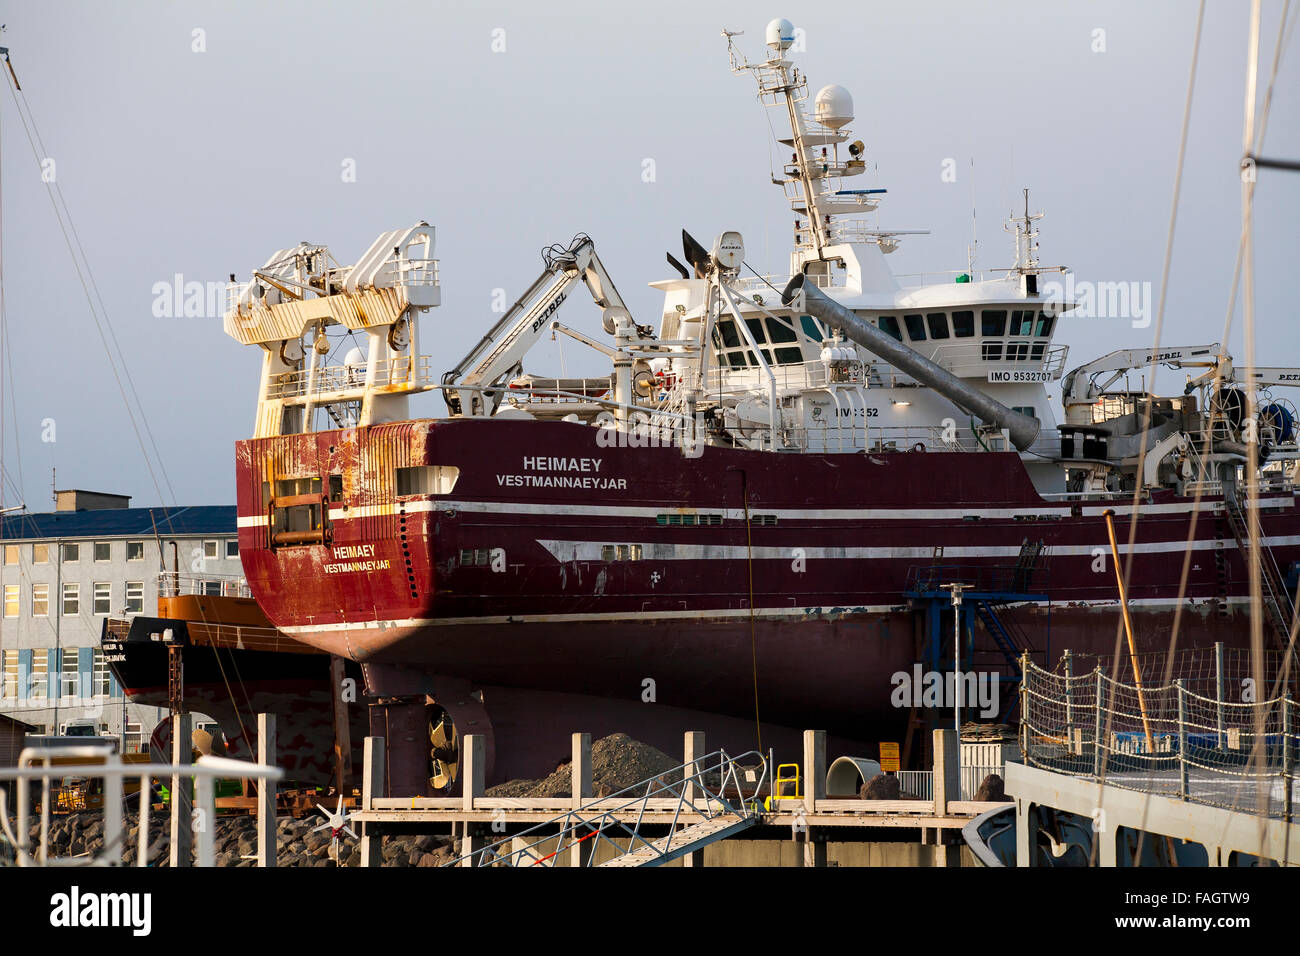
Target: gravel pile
{"type": "Point", "coordinates": [617, 762]}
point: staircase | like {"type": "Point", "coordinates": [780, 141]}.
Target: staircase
{"type": "Point", "coordinates": [1011, 641]}
{"type": "Point", "coordinates": [720, 790]}
{"type": "Point", "coordinates": [682, 842]}
{"type": "Point", "coordinates": [1277, 603]}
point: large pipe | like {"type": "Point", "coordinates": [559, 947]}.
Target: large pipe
{"type": "Point", "coordinates": [1023, 429]}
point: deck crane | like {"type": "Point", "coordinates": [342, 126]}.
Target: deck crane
{"type": "Point", "coordinates": [498, 357]}
{"type": "Point", "coordinates": [1080, 388]}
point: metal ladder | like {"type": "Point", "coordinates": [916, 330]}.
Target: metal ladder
{"type": "Point", "coordinates": [1277, 604]}
{"type": "Point", "coordinates": [722, 789]}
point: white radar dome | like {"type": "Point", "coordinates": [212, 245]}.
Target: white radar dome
{"type": "Point", "coordinates": [780, 34]}
{"type": "Point", "coordinates": [355, 357]}
{"type": "Point", "coordinates": [833, 106]}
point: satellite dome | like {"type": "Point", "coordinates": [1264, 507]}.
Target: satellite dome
{"type": "Point", "coordinates": [833, 106]}
{"type": "Point", "coordinates": [780, 34]}
{"type": "Point", "coordinates": [354, 357]}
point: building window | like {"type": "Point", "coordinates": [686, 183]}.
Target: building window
{"type": "Point", "coordinates": [71, 600]}
{"type": "Point", "coordinates": [9, 674]}
{"type": "Point", "coordinates": [103, 550]}
{"type": "Point", "coordinates": [11, 600]}
{"type": "Point", "coordinates": [135, 550]}
{"type": "Point", "coordinates": [99, 673]}
{"type": "Point", "coordinates": [40, 600]}
{"type": "Point", "coordinates": [11, 554]}
{"type": "Point", "coordinates": [71, 553]}
{"type": "Point", "coordinates": [40, 554]}
{"type": "Point", "coordinates": [210, 549]}
{"type": "Point", "coordinates": [134, 597]}
{"type": "Point", "coordinates": [133, 739]}
{"type": "Point", "coordinates": [38, 685]}
{"type": "Point", "coordinates": [69, 678]}
{"type": "Point", "coordinates": [103, 597]}
{"type": "Point", "coordinates": [232, 548]}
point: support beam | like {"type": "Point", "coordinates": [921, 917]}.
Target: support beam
{"type": "Point", "coordinates": [342, 729]}
{"type": "Point", "coordinates": [182, 837]}
{"type": "Point", "coordinates": [692, 750]}
{"type": "Point", "coordinates": [473, 768]}
{"type": "Point", "coordinates": [266, 756]}
{"type": "Point", "coordinates": [947, 771]}
{"type": "Point", "coordinates": [814, 789]}
{"type": "Point", "coordinates": [580, 766]}
{"type": "Point", "coordinates": [372, 786]}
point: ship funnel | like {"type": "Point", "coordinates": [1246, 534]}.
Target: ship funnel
{"type": "Point", "coordinates": [1023, 429]}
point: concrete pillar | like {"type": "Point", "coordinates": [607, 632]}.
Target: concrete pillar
{"type": "Point", "coordinates": [692, 750]}
{"type": "Point", "coordinates": [814, 789]}
{"type": "Point", "coordinates": [946, 854]}
{"type": "Point", "coordinates": [182, 838]}
{"type": "Point", "coordinates": [266, 755]}
{"type": "Point", "coordinates": [814, 769]}
{"type": "Point", "coordinates": [372, 785]}
{"type": "Point", "coordinates": [947, 772]}
{"type": "Point", "coordinates": [1026, 818]}
{"type": "Point", "coordinates": [473, 770]}
{"type": "Point", "coordinates": [1107, 850]}
{"type": "Point", "coordinates": [580, 766]}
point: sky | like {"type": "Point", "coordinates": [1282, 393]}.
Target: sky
{"type": "Point", "coordinates": [195, 139]}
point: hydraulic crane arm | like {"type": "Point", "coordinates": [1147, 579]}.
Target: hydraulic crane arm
{"type": "Point", "coordinates": [1081, 385]}
{"type": "Point", "coordinates": [499, 354]}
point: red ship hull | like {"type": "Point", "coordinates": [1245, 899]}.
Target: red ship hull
{"type": "Point", "coordinates": [557, 565]}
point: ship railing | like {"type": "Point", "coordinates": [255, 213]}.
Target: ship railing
{"type": "Point", "coordinates": [332, 379]}
{"type": "Point", "coordinates": [1112, 496]}
{"type": "Point", "coordinates": [965, 358]}
{"type": "Point", "coordinates": [986, 579]}
{"type": "Point", "coordinates": [913, 279]}
{"type": "Point", "coordinates": [99, 761]}
{"type": "Point", "coordinates": [770, 287]}
{"type": "Point", "coordinates": [1164, 738]}
{"type": "Point", "coordinates": [175, 584]}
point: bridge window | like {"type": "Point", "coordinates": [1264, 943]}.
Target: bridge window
{"type": "Point", "coordinates": [1045, 323]}
{"type": "Point", "coordinates": [915, 327]}
{"type": "Point", "coordinates": [993, 322]}
{"type": "Point", "coordinates": [963, 324]}
{"type": "Point", "coordinates": [1022, 322]}
{"type": "Point", "coordinates": [1036, 351]}
{"type": "Point", "coordinates": [1017, 351]}
{"type": "Point", "coordinates": [812, 328]}
{"type": "Point", "coordinates": [889, 325]}
{"type": "Point", "coordinates": [938, 323]}
{"type": "Point", "coordinates": [991, 351]}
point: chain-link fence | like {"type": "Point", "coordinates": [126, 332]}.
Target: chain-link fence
{"type": "Point", "coordinates": [1166, 737]}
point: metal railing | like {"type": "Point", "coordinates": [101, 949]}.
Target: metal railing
{"type": "Point", "coordinates": [714, 786]}
{"type": "Point", "coordinates": [1164, 738]}
{"type": "Point", "coordinates": [175, 584]}
{"type": "Point", "coordinates": [920, 783]}
{"type": "Point", "coordinates": [101, 762]}
{"type": "Point", "coordinates": [332, 379]}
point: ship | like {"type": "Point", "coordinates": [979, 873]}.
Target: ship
{"type": "Point", "coordinates": [731, 530]}
{"type": "Point", "coordinates": [210, 650]}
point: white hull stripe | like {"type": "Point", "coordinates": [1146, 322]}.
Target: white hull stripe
{"type": "Point", "coordinates": [800, 612]}
{"type": "Point", "coordinates": [1056, 510]}
{"type": "Point", "coordinates": [567, 551]}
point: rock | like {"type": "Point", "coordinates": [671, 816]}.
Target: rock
{"type": "Point", "coordinates": [428, 860]}
{"type": "Point", "coordinates": [413, 858]}
{"type": "Point", "coordinates": [992, 789]}
{"type": "Point", "coordinates": [617, 762]}
{"type": "Point", "coordinates": [882, 786]}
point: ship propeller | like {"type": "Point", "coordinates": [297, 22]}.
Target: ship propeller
{"type": "Point", "coordinates": [445, 752]}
